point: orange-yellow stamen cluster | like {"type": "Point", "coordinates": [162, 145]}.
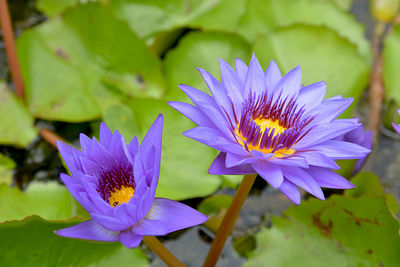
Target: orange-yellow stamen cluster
{"type": "Point", "coordinates": [122, 195]}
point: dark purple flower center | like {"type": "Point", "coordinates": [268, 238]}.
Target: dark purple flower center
{"type": "Point", "coordinates": [270, 125]}
{"type": "Point", "coordinates": [117, 185]}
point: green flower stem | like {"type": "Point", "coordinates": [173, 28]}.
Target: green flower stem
{"type": "Point", "coordinates": [154, 244]}
{"type": "Point", "coordinates": [229, 220]}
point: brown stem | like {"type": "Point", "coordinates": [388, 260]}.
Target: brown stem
{"type": "Point", "coordinates": [50, 137]}
{"type": "Point", "coordinates": [229, 220]}
{"type": "Point", "coordinates": [8, 36]}
{"type": "Point", "coordinates": [164, 254]}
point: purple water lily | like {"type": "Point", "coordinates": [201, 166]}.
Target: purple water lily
{"type": "Point", "coordinates": [116, 183]}
{"type": "Point", "coordinates": [271, 125]}
{"type": "Point", "coordinates": [397, 126]}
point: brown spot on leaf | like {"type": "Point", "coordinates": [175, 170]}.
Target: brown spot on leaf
{"type": "Point", "coordinates": [359, 220]}
{"type": "Point", "coordinates": [369, 251]}
{"type": "Point", "coordinates": [325, 229]}
{"type": "Point", "coordinates": [62, 54]}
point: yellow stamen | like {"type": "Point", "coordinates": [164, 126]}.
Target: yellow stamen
{"type": "Point", "coordinates": [264, 124]}
{"type": "Point", "coordinates": [122, 195]}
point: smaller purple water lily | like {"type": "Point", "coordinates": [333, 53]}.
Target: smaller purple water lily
{"type": "Point", "coordinates": [397, 126]}
{"type": "Point", "coordinates": [360, 137]}
{"type": "Point", "coordinates": [116, 183]}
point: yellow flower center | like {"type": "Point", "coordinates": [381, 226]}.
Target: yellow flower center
{"type": "Point", "coordinates": [122, 195]}
{"type": "Point", "coordinates": [264, 124]}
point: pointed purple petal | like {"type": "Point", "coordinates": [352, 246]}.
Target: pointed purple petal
{"type": "Point", "coordinates": [301, 178]}
{"type": "Point", "coordinates": [109, 223]}
{"type": "Point", "coordinates": [289, 85]}
{"type": "Point", "coordinates": [314, 92]}
{"type": "Point", "coordinates": [88, 230]}
{"type": "Point", "coordinates": [329, 110]}
{"type": "Point", "coordinates": [218, 167]}
{"type": "Point", "coordinates": [290, 190]}
{"type": "Point", "coordinates": [255, 81]}
{"type": "Point", "coordinates": [192, 113]}
{"type": "Point", "coordinates": [396, 127]}
{"type": "Point", "coordinates": [167, 216]}
{"type": "Point", "coordinates": [105, 135]}
{"type": "Point", "coordinates": [241, 70]}
{"type": "Point", "coordinates": [329, 179]}
{"type": "Point", "coordinates": [272, 76]}
{"type": "Point", "coordinates": [341, 150]}
{"type": "Point", "coordinates": [68, 154]}
{"type": "Point", "coordinates": [269, 172]}
{"type": "Point", "coordinates": [319, 159]}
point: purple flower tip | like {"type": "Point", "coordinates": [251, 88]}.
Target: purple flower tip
{"type": "Point", "coordinates": [116, 183]}
{"type": "Point", "coordinates": [272, 125]}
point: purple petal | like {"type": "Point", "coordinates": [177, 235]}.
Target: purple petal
{"type": "Point", "coordinates": [85, 142]}
{"type": "Point", "coordinates": [272, 75]}
{"type": "Point", "coordinates": [255, 81]}
{"type": "Point", "coordinates": [105, 135]}
{"type": "Point", "coordinates": [167, 216]}
{"type": "Point", "coordinates": [88, 230]}
{"type": "Point", "coordinates": [233, 160]}
{"type": "Point", "coordinates": [289, 85]}
{"type": "Point", "coordinates": [207, 136]}
{"type": "Point", "coordinates": [269, 172]}
{"type": "Point", "coordinates": [197, 96]}
{"type": "Point", "coordinates": [291, 191]}
{"type": "Point", "coordinates": [328, 178]}
{"type": "Point", "coordinates": [319, 159]}
{"type": "Point", "coordinates": [341, 150]}
{"type": "Point", "coordinates": [109, 223]}
{"type": "Point", "coordinates": [129, 239]}
{"type": "Point", "coordinates": [329, 110]}
{"type": "Point", "coordinates": [301, 178]}
{"type": "Point", "coordinates": [324, 132]}
{"type": "Point", "coordinates": [312, 95]}
{"type": "Point", "coordinates": [218, 167]}
{"type": "Point", "coordinates": [69, 153]}
{"type": "Point", "coordinates": [241, 70]}
{"type": "Point", "coordinates": [291, 161]}
{"type": "Point", "coordinates": [192, 113]}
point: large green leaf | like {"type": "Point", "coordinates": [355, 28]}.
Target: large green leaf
{"type": "Point", "coordinates": [184, 162]}
{"type": "Point", "coordinates": [77, 64]}
{"type": "Point", "coordinates": [16, 125]}
{"type": "Point", "coordinates": [149, 17]}
{"type": "Point", "coordinates": [265, 16]}
{"type": "Point", "coordinates": [49, 200]}
{"type": "Point", "coordinates": [322, 55]}
{"type": "Point", "coordinates": [7, 165]}
{"type": "Point", "coordinates": [52, 8]}
{"type": "Point", "coordinates": [201, 50]}
{"type": "Point", "coordinates": [32, 242]}
{"type": "Point", "coordinates": [391, 59]}
{"type": "Point", "coordinates": [225, 15]}
{"type": "Point", "coordinates": [348, 230]}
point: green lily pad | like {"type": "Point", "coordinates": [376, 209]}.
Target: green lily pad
{"type": "Point", "coordinates": [184, 162]}
{"type": "Point", "coordinates": [225, 15]}
{"type": "Point", "coordinates": [7, 166]}
{"type": "Point", "coordinates": [263, 17]}
{"type": "Point", "coordinates": [349, 230]}
{"type": "Point", "coordinates": [333, 58]}
{"type": "Point", "coordinates": [201, 50]}
{"type": "Point", "coordinates": [120, 117]}
{"type": "Point", "coordinates": [95, 60]}
{"type": "Point", "coordinates": [213, 205]}
{"type": "Point", "coordinates": [16, 125]}
{"type": "Point", "coordinates": [50, 201]}
{"type": "Point", "coordinates": [53, 8]}
{"type": "Point", "coordinates": [391, 57]}
{"type": "Point", "coordinates": [150, 17]}
{"type": "Point", "coordinates": [32, 242]}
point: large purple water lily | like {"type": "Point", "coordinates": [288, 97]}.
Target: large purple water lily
{"type": "Point", "coordinates": [397, 126]}
{"type": "Point", "coordinates": [271, 125]}
{"type": "Point", "coordinates": [116, 183]}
